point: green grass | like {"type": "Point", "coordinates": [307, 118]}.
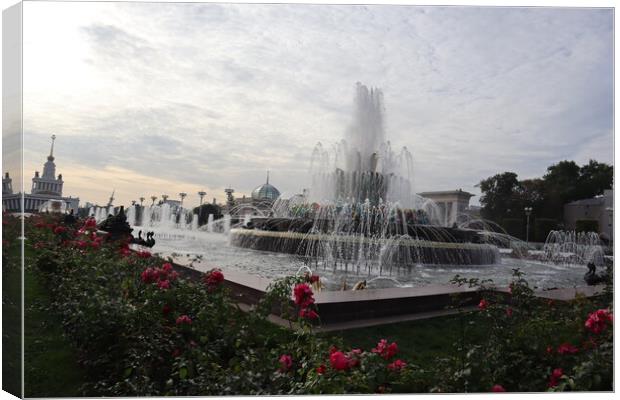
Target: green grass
{"type": "Point", "coordinates": [50, 362]}
{"type": "Point", "coordinates": [422, 341]}
{"type": "Point", "coordinates": [11, 319]}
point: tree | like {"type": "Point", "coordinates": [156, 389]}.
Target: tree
{"type": "Point", "coordinates": [499, 196]}
{"type": "Point", "coordinates": [560, 187]}
{"type": "Point", "coordinates": [504, 197]}
{"type": "Point", "coordinates": [594, 178]}
{"type": "Point", "coordinates": [204, 210]}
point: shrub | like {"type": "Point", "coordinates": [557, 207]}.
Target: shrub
{"type": "Point", "coordinates": [143, 330]}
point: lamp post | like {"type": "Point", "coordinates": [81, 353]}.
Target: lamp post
{"type": "Point", "coordinates": [202, 194]}
{"type": "Point", "coordinates": [141, 201]}
{"type": "Point", "coordinates": [165, 197]}
{"type": "Point", "coordinates": [153, 198]}
{"type": "Point", "coordinates": [528, 211]}
{"type": "Point", "coordinates": [182, 196]}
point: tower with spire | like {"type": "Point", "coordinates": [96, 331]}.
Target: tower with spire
{"type": "Point", "coordinates": [48, 184]}
{"type": "Point", "coordinates": [46, 191]}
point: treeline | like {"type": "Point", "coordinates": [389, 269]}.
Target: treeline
{"type": "Point", "coordinates": [504, 196]}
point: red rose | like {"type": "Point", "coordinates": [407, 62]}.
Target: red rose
{"type": "Point", "coordinates": [214, 277]}
{"type": "Point", "coordinates": [498, 388]}
{"type": "Point", "coordinates": [163, 285]}
{"type": "Point", "coordinates": [555, 377]}
{"type": "Point", "coordinates": [184, 319]}
{"type": "Point", "coordinates": [321, 369]}
{"type": "Point", "coordinates": [339, 361]}
{"type": "Point", "coordinates": [397, 365]}
{"type": "Point", "coordinates": [147, 275]}
{"type": "Point", "coordinates": [384, 350]}
{"type": "Point", "coordinates": [314, 278]}
{"type": "Point", "coordinates": [59, 229]}
{"type": "Point", "coordinates": [567, 348]}
{"type": "Point", "coordinates": [308, 314]}
{"type": "Point", "coordinates": [598, 320]}
{"type": "Point", "coordinates": [483, 304]}
{"type": "Point", "coordinates": [144, 254]}
{"type": "Point", "coordinates": [509, 312]}
{"type": "Point", "coordinates": [167, 267]}
{"type": "Point", "coordinates": [286, 362]}
{"type": "Point", "coordinates": [166, 309]}
{"type": "Point", "coordinates": [303, 295]}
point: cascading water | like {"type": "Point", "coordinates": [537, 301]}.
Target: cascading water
{"type": "Point", "coordinates": [361, 211]}
{"type": "Point", "coordinates": [570, 247]}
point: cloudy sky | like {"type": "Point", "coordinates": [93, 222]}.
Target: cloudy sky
{"type": "Point", "coordinates": [164, 98]}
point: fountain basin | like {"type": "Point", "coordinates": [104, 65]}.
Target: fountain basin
{"type": "Point", "coordinates": [401, 250]}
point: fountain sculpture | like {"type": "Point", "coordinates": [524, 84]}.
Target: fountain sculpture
{"type": "Point", "coordinates": [361, 209]}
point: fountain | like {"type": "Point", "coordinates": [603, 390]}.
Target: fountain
{"type": "Point", "coordinates": [570, 247]}
{"type": "Point", "coordinates": [361, 210]}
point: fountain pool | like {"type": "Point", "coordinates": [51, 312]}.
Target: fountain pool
{"type": "Point", "coordinates": [210, 250]}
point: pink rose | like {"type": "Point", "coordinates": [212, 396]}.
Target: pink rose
{"type": "Point", "coordinates": [286, 362]}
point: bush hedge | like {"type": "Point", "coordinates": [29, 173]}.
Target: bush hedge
{"type": "Point", "coordinates": [143, 330]}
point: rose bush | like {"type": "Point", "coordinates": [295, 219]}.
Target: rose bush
{"type": "Point", "coordinates": [143, 329]}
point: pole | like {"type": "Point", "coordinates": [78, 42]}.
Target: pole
{"type": "Point", "coordinates": [527, 231]}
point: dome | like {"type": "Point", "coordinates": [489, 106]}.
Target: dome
{"type": "Point", "coordinates": [266, 192]}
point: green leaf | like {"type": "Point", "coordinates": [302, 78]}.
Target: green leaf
{"type": "Point", "coordinates": [183, 373]}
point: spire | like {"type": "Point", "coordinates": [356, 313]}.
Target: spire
{"type": "Point", "coordinates": [51, 156]}
{"type": "Point", "coordinates": [267, 177]}
{"type": "Point", "coordinates": [111, 198]}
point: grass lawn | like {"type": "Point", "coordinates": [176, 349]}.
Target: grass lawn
{"type": "Point", "coordinates": [50, 362]}
{"type": "Point", "coordinates": [420, 342]}
{"type": "Point", "coordinates": [11, 320]}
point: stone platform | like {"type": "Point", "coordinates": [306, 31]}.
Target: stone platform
{"type": "Point", "coordinates": [355, 309]}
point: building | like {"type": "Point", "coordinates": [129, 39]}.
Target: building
{"type": "Point", "coordinates": [46, 188]}
{"type": "Point", "coordinates": [450, 204]}
{"type": "Point", "coordinates": [599, 209]}
{"type": "Point", "coordinates": [265, 192]}
{"type": "Point", "coordinates": [258, 204]}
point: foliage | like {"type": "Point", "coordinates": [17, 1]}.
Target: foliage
{"type": "Point", "coordinates": [204, 210]}
{"type": "Point", "coordinates": [505, 196]}
{"type": "Point", "coordinates": [586, 225]}
{"type": "Point", "coordinates": [142, 329]}
{"type": "Point", "coordinates": [542, 227]}
{"type": "Point", "coordinates": [548, 343]}
{"type": "Point", "coordinates": [514, 227]}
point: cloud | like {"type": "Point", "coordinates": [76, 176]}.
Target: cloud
{"type": "Point", "coordinates": [215, 94]}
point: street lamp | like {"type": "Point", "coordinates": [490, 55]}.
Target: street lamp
{"type": "Point", "coordinates": [202, 194]}
{"type": "Point", "coordinates": [165, 197]}
{"type": "Point", "coordinates": [141, 201]}
{"type": "Point", "coordinates": [528, 211]}
{"type": "Point", "coordinates": [153, 198]}
{"type": "Point", "coordinates": [182, 196]}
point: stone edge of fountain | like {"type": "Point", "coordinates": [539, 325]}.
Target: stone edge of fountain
{"type": "Point", "coordinates": [353, 309]}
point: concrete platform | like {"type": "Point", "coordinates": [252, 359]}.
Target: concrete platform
{"type": "Point", "coordinates": [341, 310]}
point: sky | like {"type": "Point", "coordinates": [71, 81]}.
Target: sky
{"type": "Point", "coordinates": [159, 98]}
